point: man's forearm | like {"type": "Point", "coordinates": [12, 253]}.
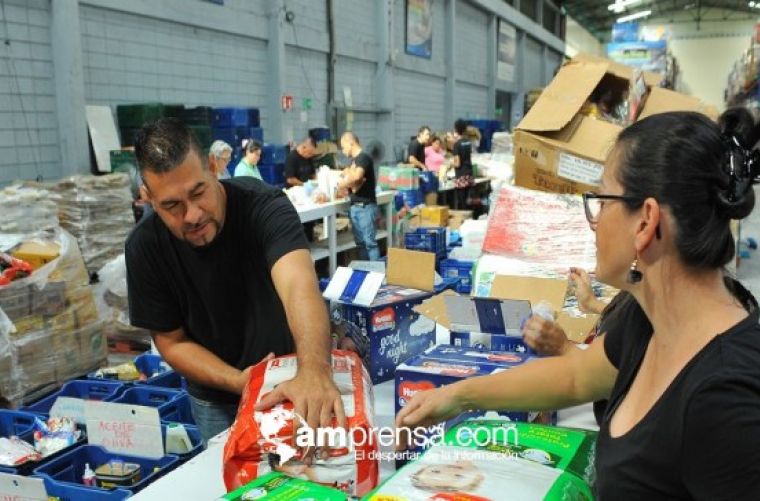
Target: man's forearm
{"type": "Point", "coordinates": [201, 366]}
{"type": "Point", "coordinates": [310, 325]}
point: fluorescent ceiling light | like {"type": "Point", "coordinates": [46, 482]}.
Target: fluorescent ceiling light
{"type": "Point", "coordinates": [620, 5]}
{"type": "Point", "coordinates": [637, 15]}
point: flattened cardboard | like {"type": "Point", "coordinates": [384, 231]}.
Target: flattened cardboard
{"type": "Point", "coordinates": [18, 488]}
{"type": "Point", "coordinates": [535, 290]}
{"type": "Point", "coordinates": [435, 309]}
{"type": "Point", "coordinates": [577, 329]}
{"type": "Point", "coordinates": [414, 269]}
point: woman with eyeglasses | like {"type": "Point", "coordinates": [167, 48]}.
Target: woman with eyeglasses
{"type": "Point", "coordinates": [683, 375]}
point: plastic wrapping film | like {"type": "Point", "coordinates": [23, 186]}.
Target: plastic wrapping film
{"type": "Point", "coordinates": [97, 211]}
{"type": "Point", "coordinates": [545, 228]}
{"type": "Point", "coordinates": [56, 333]}
{"type": "Point", "coordinates": [26, 209]}
{"type": "Point", "coordinates": [111, 297]}
{"type": "Point", "coordinates": [495, 165]}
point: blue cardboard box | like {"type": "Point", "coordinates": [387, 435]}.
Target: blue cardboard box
{"type": "Point", "coordinates": [443, 364]}
{"type": "Point", "coordinates": [494, 342]}
{"type": "Point", "coordinates": [386, 332]}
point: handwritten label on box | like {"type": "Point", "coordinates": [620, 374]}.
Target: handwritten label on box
{"type": "Point", "coordinates": [18, 488]}
{"type": "Point", "coordinates": [125, 429]}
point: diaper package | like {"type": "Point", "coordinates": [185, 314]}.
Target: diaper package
{"type": "Point", "coordinates": [261, 442]}
{"type": "Point", "coordinates": [493, 460]}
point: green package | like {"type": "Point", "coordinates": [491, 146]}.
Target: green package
{"type": "Point", "coordinates": [398, 178]}
{"type": "Point", "coordinates": [494, 459]}
{"type": "Point", "coordinates": [278, 487]}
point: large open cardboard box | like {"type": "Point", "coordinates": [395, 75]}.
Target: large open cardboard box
{"type": "Point", "coordinates": [559, 149]}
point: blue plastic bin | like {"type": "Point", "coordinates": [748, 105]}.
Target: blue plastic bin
{"type": "Point", "coordinates": [235, 117]}
{"type": "Point", "coordinates": [21, 424]}
{"type": "Point", "coordinates": [150, 396]}
{"type": "Point", "coordinates": [427, 240]}
{"type": "Point", "coordinates": [195, 439]}
{"type": "Point", "coordinates": [273, 174]}
{"type": "Point", "coordinates": [106, 391]}
{"type": "Point", "coordinates": [179, 410]}
{"type": "Point", "coordinates": [412, 198]}
{"type": "Point", "coordinates": [69, 492]}
{"type": "Point", "coordinates": [273, 154]}
{"type": "Point", "coordinates": [156, 371]}
{"type": "Point", "coordinates": [428, 182]}
{"type": "Point", "coordinates": [68, 468]}
{"type": "Point", "coordinates": [461, 270]}
{"type": "Point", "coordinates": [234, 135]}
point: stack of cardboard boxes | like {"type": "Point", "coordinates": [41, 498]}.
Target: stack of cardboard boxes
{"type": "Point", "coordinates": [57, 334]}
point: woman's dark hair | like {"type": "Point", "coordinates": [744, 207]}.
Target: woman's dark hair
{"type": "Point", "coordinates": [251, 145]}
{"type": "Point", "coordinates": [682, 160]}
{"type": "Point", "coordinates": [434, 139]}
{"type": "Point", "coordinates": [738, 122]}
{"type": "Point", "coordinates": [460, 126]}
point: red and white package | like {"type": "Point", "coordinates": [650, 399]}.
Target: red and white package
{"type": "Point", "coordinates": [263, 441]}
{"type": "Point", "coordinates": [539, 227]}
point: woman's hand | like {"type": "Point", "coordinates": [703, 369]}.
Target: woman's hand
{"type": "Point", "coordinates": [545, 336]}
{"type": "Point", "coordinates": [587, 301]}
{"type": "Point", "coordinates": [430, 407]}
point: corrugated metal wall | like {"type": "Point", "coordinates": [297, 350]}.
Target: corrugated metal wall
{"type": "Point", "coordinates": [28, 124]}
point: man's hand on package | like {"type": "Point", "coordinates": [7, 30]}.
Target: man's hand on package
{"type": "Point", "coordinates": [245, 375]}
{"type": "Point", "coordinates": [314, 396]}
{"type": "Point", "coordinates": [587, 301]}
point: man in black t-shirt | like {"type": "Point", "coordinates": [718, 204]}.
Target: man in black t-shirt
{"type": "Point", "coordinates": [222, 277]}
{"type": "Point", "coordinates": [298, 164]}
{"type": "Point", "coordinates": [359, 180]}
{"type": "Point", "coordinates": [462, 162]}
{"type": "Point", "coordinates": [416, 155]}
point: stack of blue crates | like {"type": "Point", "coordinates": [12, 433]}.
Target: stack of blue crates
{"type": "Point", "coordinates": [460, 270]}
{"type": "Point", "coordinates": [428, 240]}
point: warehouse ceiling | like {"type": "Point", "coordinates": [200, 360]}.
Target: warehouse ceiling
{"type": "Point", "coordinates": [598, 18]}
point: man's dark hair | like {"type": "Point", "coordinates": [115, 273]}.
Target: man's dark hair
{"type": "Point", "coordinates": [251, 145]}
{"type": "Point", "coordinates": [162, 145]}
{"type": "Point", "coordinates": [460, 126]}
{"type": "Point", "coordinates": [423, 129]}
{"type": "Point", "coordinates": [353, 137]}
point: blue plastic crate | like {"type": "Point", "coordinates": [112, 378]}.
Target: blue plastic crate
{"type": "Point", "coordinates": [427, 240]}
{"type": "Point", "coordinates": [235, 117]}
{"type": "Point", "coordinates": [454, 268]}
{"type": "Point", "coordinates": [273, 174]}
{"type": "Point", "coordinates": [412, 198]}
{"type": "Point", "coordinates": [156, 371]}
{"type": "Point", "coordinates": [106, 391]}
{"type": "Point", "coordinates": [150, 396]}
{"type": "Point", "coordinates": [69, 492]}
{"type": "Point", "coordinates": [179, 410]}
{"type": "Point", "coordinates": [273, 154]}
{"type": "Point", "coordinates": [68, 468]}
{"type": "Point", "coordinates": [194, 434]}
{"type": "Point", "coordinates": [234, 135]}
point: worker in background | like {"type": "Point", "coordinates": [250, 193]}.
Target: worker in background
{"type": "Point", "coordinates": [416, 155]}
{"type": "Point", "coordinates": [298, 164]}
{"type": "Point", "coordinates": [219, 156]}
{"type": "Point", "coordinates": [462, 162]}
{"type": "Point", "coordinates": [435, 154]}
{"type": "Point", "coordinates": [359, 180]}
{"type": "Point", "coordinates": [222, 277]}
{"type": "Point", "coordinates": [248, 165]}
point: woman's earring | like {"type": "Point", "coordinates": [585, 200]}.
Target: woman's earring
{"type": "Point", "coordinates": [634, 275]}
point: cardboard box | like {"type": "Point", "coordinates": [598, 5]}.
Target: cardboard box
{"type": "Point", "coordinates": [458, 217]}
{"type": "Point", "coordinates": [398, 178]}
{"type": "Point", "coordinates": [379, 321]}
{"type": "Point", "coordinates": [431, 198]}
{"type": "Point", "coordinates": [437, 215]}
{"type": "Point", "coordinates": [559, 149]}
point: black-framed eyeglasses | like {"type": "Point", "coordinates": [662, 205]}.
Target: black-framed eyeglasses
{"type": "Point", "coordinates": [593, 203]}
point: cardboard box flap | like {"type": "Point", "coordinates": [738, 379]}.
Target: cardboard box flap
{"type": "Point", "coordinates": [564, 97]}
{"type": "Point", "coordinates": [412, 269]}
{"type": "Point", "coordinates": [474, 314]}
{"type": "Point", "coordinates": [664, 100]}
{"type": "Point", "coordinates": [620, 70]}
{"type": "Point", "coordinates": [532, 289]}
{"type": "Point", "coordinates": [435, 309]}
{"type": "Point", "coordinates": [586, 137]}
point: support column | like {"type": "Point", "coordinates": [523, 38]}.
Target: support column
{"type": "Point", "coordinates": [491, 64]}
{"type": "Point", "coordinates": [276, 71]}
{"type": "Point", "coordinates": [449, 94]}
{"type": "Point", "coordinates": [518, 97]}
{"type": "Point", "coordinates": [384, 78]}
{"type": "Point", "coordinates": [66, 41]}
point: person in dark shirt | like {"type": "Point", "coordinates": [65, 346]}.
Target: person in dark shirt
{"type": "Point", "coordinates": [416, 154]}
{"type": "Point", "coordinates": [359, 180]}
{"type": "Point", "coordinates": [221, 275]}
{"type": "Point", "coordinates": [683, 374]}
{"type": "Point", "coordinates": [298, 164]}
{"type": "Point", "coordinates": [462, 162]}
